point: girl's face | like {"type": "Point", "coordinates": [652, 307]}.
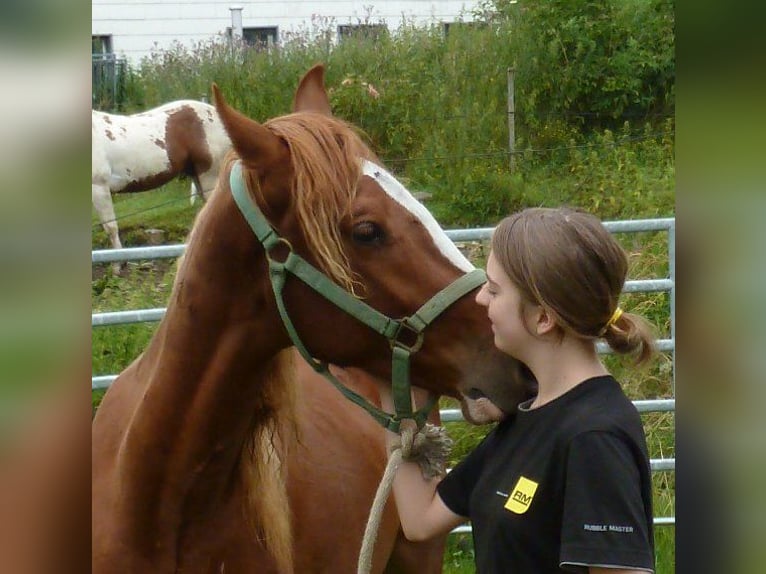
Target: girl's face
{"type": "Point", "coordinates": [512, 320]}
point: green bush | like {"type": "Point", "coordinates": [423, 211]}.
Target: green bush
{"type": "Point", "coordinates": [591, 61]}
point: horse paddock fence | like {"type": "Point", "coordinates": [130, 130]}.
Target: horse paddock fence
{"type": "Point", "coordinates": [108, 84]}
{"type": "Point", "coordinates": [665, 284]}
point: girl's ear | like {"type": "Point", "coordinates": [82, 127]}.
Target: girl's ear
{"type": "Point", "coordinates": [545, 321]}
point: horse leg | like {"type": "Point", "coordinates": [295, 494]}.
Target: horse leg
{"type": "Point", "coordinates": [206, 182]}
{"type": "Point", "coordinates": [202, 184]}
{"type": "Point", "coordinates": [102, 201]}
{"type": "Point", "coordinates": [195, 190]}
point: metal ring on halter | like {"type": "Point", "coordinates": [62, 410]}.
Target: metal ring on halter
{"type": "Point", "coordinates": [271, 248]}
{"type": "Point", "coordinates": [404, 325]}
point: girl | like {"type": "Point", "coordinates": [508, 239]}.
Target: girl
{"type": "Point", "coordinates": [565, 485]}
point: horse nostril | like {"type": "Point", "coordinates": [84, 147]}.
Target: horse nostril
{"type": "Point", "coordinates": [475, 394]}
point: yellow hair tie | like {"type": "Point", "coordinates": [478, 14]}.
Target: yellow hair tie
{"type": "Point", "coordinates": [612, 320]}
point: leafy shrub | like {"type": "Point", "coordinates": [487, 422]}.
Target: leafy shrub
{"type": "Point", "coordinates": [591, 61]}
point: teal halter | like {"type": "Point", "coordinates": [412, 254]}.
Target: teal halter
{"type": "Point", "coordinates": [391, 329]}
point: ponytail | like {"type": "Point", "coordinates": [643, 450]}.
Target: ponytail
{"type": "Point", "coordinates": [631, 333]}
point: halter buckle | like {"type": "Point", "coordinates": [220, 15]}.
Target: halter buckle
{"type": "Point", "coordinates": [407, 329]}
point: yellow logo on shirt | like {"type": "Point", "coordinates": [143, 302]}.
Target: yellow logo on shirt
{"type": "Point", "coordinates": [521, 496]}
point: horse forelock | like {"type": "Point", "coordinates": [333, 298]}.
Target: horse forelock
{"type": "Point", "coordinates": [326, 155]}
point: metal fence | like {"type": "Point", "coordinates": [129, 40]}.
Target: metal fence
{"type": "Point", "coordinates": [666, 284]}
{"type": "Point", "coordinates": [109, 77]}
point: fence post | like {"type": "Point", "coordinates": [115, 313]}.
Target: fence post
{"type": "Point", "coordinates": [511, 118]}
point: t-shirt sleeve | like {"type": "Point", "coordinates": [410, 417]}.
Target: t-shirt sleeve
{"type": "Point", "coordinates": [605, 519]}
{"type": "Point", "coordinates": [456, 488]}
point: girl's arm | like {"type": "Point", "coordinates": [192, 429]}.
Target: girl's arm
{"type": "Point", "coordinates": [422, 513]}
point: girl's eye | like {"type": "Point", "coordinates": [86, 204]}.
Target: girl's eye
{"type": "Point", "coordinates": [368, 233]}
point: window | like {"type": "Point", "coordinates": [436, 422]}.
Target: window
{"type": "Point", "coordinates": [362, 31]}
{"type": "Point", "coordinates": [101, 44]}
{"type": "Point", "coordinates": [265, 37]}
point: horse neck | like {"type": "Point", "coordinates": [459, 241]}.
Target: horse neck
{"type": "Point", "coordinates": [207, 375]}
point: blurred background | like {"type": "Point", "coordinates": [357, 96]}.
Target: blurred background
{"type": "Point", "coordinates": [44, 334]}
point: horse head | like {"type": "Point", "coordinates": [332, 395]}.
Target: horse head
{"type": "Point", "coordinates": [330, 201]}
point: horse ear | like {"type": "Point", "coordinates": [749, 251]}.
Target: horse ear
{"type": "Point", "coordinates": [257, 146]}
{"type": "Point", "coordinates": [311, 95]}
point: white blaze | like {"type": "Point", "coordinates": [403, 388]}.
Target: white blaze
{"type": "Point", "coordinates": [403, 197]}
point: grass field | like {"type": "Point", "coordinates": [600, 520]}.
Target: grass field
{"type": "Point", "coordinates": [147, 284]}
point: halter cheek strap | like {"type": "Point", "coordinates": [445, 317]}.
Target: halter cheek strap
{"type": "Point", "coordinates": [410, 328]}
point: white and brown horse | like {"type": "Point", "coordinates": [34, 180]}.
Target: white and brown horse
{"type": "Point", "coordinates": [208, 452]}
{"type": "Point", "coordinates": [144, 151]}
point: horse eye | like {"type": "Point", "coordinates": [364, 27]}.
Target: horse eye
{"type": "Point", "coordinates": [367, 232]}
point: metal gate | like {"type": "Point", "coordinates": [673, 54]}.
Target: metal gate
{"type": "Point", "coordinates": [108, 87]}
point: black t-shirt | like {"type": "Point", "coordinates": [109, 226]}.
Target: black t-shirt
{"type": "Point", "coordinates": [560, 487]}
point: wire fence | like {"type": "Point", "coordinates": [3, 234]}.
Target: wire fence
{"type": "Point", "coordinates": [531, 150]}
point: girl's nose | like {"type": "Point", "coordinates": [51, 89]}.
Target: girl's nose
{"type": "Point", "coordinates": [481, 295]}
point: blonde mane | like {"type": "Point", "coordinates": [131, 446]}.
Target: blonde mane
{"type": "Point", "coordinates": [326, 154]}
{"type": "Point", "coordinates": [263, 474]}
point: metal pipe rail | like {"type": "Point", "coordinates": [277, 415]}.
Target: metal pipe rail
{"type": "Point", "coordinates": [457, 235]}
{"type": "Point", "coordinates": [156, 314]}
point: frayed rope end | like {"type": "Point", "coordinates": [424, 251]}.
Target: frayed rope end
{"type": "Point", "coordinates": [430, 448]}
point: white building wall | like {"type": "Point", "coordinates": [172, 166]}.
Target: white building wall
{"type": "Point", "coordinates": [138, 26]}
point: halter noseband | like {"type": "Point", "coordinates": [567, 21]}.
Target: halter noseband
{"type": "Point", "coordinates": [391, 329]}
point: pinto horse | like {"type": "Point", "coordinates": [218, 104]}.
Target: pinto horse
{"type": "Point", "coordinates": [145, 151]}
{"type": "Point", "coordinates": [191, 466]}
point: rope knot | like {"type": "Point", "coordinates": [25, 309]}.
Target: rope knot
{"type": "Point", "coordinates": [430, 448]}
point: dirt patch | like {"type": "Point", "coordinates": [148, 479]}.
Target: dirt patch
{"type": "Point", "coordinates": [152, 270]}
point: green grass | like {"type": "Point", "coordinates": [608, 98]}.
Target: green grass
{"type": "Point", "coordinates": [166, 208]}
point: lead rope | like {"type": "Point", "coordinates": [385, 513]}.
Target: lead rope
{"type": "Point", "coordinates": [430, 447]}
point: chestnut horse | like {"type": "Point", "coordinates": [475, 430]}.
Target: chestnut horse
{"type": "Point", "coordinates": [191, 442]}
{"type": "Point", "coordinates": [145, 151]}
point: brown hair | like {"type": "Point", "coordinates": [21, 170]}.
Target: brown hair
{"type": "Point", "coordinates": [567, 261]}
